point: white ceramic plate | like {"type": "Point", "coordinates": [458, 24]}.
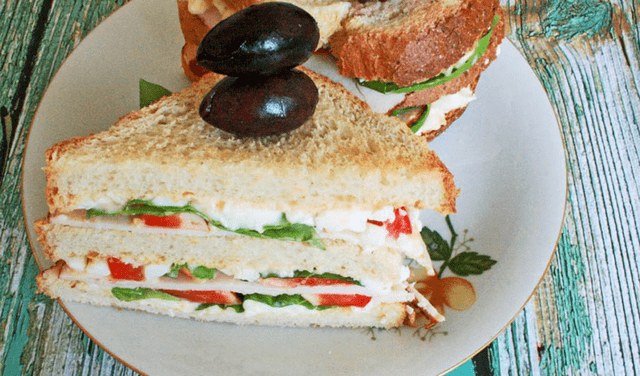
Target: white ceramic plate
{"type": "Point", "coordinates": [506, 153]}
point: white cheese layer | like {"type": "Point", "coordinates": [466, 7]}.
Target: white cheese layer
{"type": "Point", "coordinates": [445, 104]}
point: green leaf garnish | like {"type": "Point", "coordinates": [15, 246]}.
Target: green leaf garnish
{"type": "Point", "coordinates": [390, 87]}
{"type": "Point", "coordinates": [308, 274]}
{"type": "Point", "coordinates": [283, 300]}
{"type": "Point", "coordinates": [150, 92]}
{"type": "Point", "coordinates": [200, 272]}
{"type": "Point", "coordinates": [236, 307]}
{"type": "Point", "coordinates": [140, 293]}
{"type": "Point", "coordinates": [468, 263]}
{"type": "Point", "coordinates": [285, 230]}
{"type": "Point", "coordinates": [415, 127]}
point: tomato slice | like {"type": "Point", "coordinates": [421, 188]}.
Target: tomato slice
{"type": "Point", "coordinates": [339, 300]}
{"type": "Point", "coordinates": [168, 221]}
{"type": "Point", "coordinates": [123, 270]}
{"type": "Point", "coordinates": [210, 297]}
{"type": "Point", "coordinates": [401, 223]}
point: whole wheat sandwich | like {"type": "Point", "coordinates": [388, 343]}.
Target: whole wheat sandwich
{"type": "Point", "coordinates": [425, 56]}
{"type": "Point", "coordinates": [320, 226]}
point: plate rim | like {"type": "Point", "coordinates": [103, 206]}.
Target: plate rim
{"type": "Point", "coordinates": [32, 244]}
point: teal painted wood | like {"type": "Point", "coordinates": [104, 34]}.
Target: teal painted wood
{"type": "Point", "coordinates": [586, 309]}
{"type": "Point", "coordinates": [37, 336]}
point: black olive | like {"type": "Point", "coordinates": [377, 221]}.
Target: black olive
{"type": "Point", "coordinates": [261, 39]}
{"type": "Point", "coordinates": [260, 105]}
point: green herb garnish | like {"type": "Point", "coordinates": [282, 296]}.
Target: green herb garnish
{"type": "Point", "coordinates": [150, 92]}
{"type": "Point", "coordinates": [140, 293]}
{"type": "Point", "coordinates": [390, 87]}
{"type": "Point", "coordinates": [284, 300]}
{"type": "Point", "coordinates": [307, 274]}
{"type": "Point", "coordinates": [200, 272]}
{"type": "Point", "coordinates": [236, 307]}
{"type": "Point", "coordinates": [415, 127]}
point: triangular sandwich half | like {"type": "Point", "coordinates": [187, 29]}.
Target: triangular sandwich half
{"type": "Point", "coordinates": [165, 213]}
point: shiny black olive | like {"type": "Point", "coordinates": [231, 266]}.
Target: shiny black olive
{"type": "Point", "coordinates": [260, 105]}
{"type": "Point", "coordinates": [261, 39]}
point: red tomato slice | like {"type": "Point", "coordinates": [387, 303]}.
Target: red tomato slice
{"type": "Point", "coordinates": [210, 297]}
{"type": "Point", "coordinates": [310, 281]}
{"type": "Point", "coordinates": [401, 223]}
{"type": "Point", "coordinates": [123, 270]}
{"type": "Point", "coordinates": [168, 221]}
{"type": "Point", "coordinates": [340, 300]}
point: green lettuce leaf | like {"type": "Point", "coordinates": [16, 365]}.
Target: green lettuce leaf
{"type": "Point", "coordinates": [200, 272]}
{"type": "Point", "coordinates": [150, 92]}
{"type": "Point", "coordinates": [283, 301]}
{"type": "Point", "coordinates": [140, 293]}
{"type": "Point", "coordinates": [415, 127]}
{"type": "Point", "coordinates": [308, 274]}
{"type": "Point", "coordinates": [390, 87]}
{"type": "Point", "coordinates": [285, 230]}
{"type": "Point", "coordinates": [236, 307]}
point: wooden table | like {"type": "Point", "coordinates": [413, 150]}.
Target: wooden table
{"type": "Point", "coordinates": [583, 318]}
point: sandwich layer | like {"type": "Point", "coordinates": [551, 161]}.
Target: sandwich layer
{"type": "Point", "coordinates": [242, 257]}
{"type": "Point", "coordinates": [385, 315]}
{"type": "Point", "coordinates": [344, 157]}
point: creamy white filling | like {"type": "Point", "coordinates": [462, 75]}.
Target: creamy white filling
{"type": "Point", "coordinates": [445, 104]}
{"type": "Point", "coordinates": [378, 102]}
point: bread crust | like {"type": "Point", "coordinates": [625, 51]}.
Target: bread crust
{"type": "Point", "coordinates": [411, 46]}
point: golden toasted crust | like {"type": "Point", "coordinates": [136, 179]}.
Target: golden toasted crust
{"type": "Point", "coordinates": [409, 41]}
{"type": "Point", "coordinates": [346, 156]}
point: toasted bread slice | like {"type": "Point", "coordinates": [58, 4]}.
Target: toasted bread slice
{"type": "Point", "coordinates": [344, 157]}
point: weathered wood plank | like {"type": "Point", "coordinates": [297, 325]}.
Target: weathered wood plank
{"type": "Point", "coordinates": [587, 306]}
{"type": "Point", "coordinates": [32, 325]}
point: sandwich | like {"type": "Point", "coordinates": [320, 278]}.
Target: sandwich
{"type": "Point", "coordinates": [166, 214]}
{"type": "Point", "coordinates": [424, 57]}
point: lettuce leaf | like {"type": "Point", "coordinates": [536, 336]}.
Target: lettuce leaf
{"type": "Point", "coordinates": [236, 307]}
{"type": "Point", "coordinates": [283, 300]}
{"type": "Point", "coordinates": [200, 272]}
{"type": "Point", "coordinates": [390, 87]}
{"type": "Point", "coordinates": [415, 127]}
{"type": "Point", "coordinates": [150, 92]}
{"type": "Point", "coordinates": [308, 274]}
{"type": "Point", "coordinates": [140, 293]}
{"type": "Point", "coordinates": [285, 230]}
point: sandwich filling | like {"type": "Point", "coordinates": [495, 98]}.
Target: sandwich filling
{"type": "Point", "coordinates": [434, 114]}
{"type": "Point", "coordinates": [131, 281]}
{"type": "Point", "coordinates": [396, 228]}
